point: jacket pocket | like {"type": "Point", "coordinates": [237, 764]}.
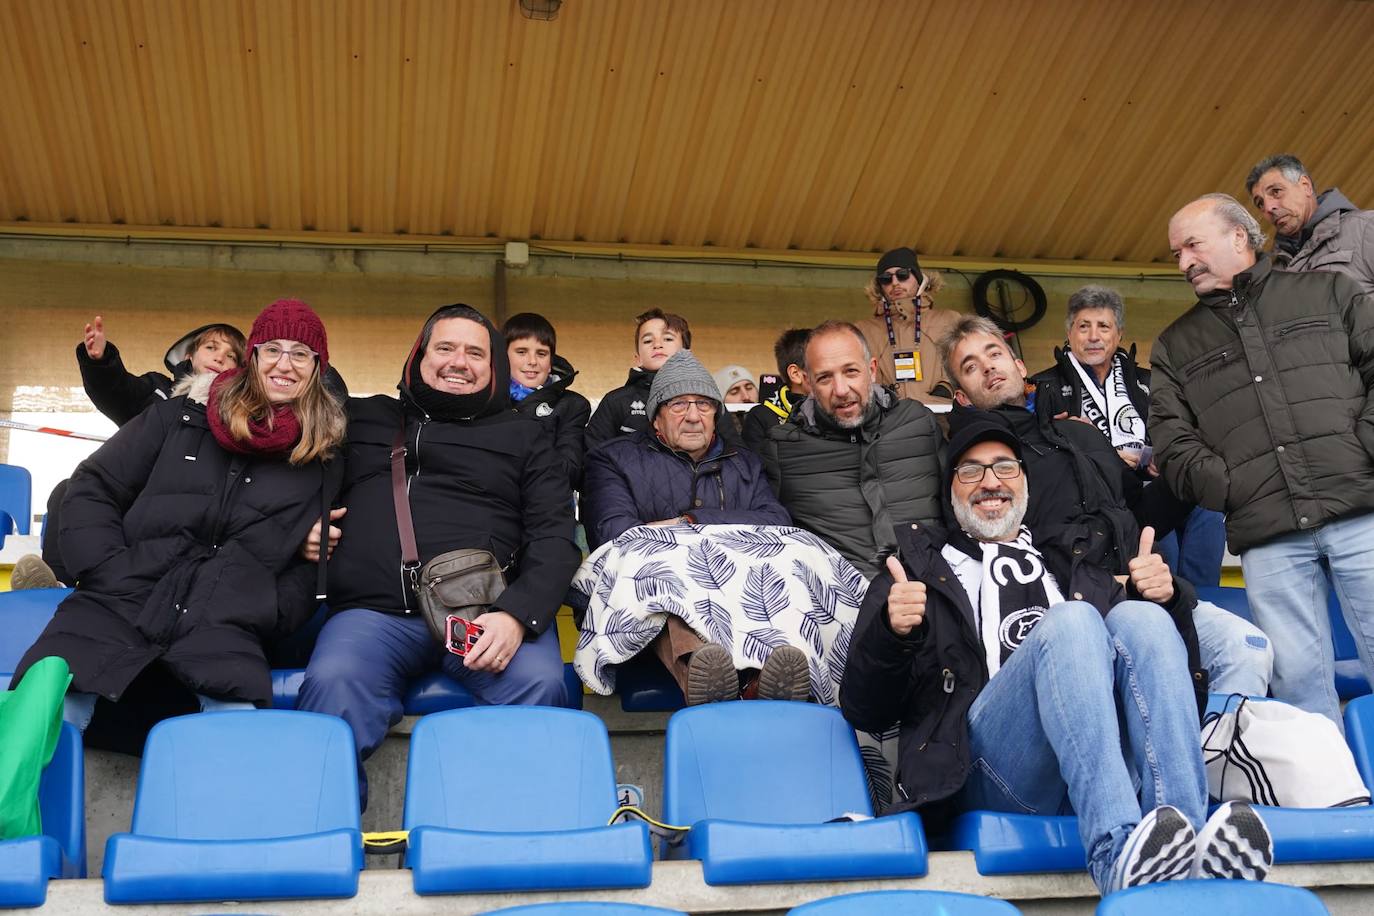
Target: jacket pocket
{"type": "Point", "coordinates": [1301, 326]}
{"type": "Point", "coordinates": [1213, 362]}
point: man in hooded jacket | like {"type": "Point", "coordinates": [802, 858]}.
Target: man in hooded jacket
{"type": "Point", "coordinates": [478, 476]}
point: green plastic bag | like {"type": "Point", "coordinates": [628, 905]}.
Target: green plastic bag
{"type": "Point", "coordinates": [30, 724]}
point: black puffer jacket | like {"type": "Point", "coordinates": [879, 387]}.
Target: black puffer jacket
{"type": "Point", "coordinates": [849, 487]}
{"type": "Point", "coordinates": [557, 405]}
{"type": "Point", "coordinates": [1076, 478]}
{"type": "Point", "coordinates": [927, 680]}
{"type": "Point", "coordinates": [185, 554]}
{"type": "Point", "coordinates": [118, 393]}
{"type": "Point", "coordinates": [494, 483]}
{"type": "Point", "coordinates": [638, 479]}
{"type": "Point", "coordinates": [1261, 405]}
{"type": "Point", "coordinates": [1059, 389]}
{"type": "Point", "coordinates": [621, 410]}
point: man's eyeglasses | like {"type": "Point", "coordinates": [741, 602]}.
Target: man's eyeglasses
{"type": "Point", "coordinates": [271, 353]}
{"type": "Point", "coordinates": [973, 472]}
{"type": "Point", "coordinates": [678, 408]}
{"type": "Point", "coordinates": [901, 275]}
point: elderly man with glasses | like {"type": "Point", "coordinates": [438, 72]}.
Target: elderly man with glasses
{"type": "Point", "coordinates": [1026, 679]}
{"type": "Point", "coordinates": [694, 560]}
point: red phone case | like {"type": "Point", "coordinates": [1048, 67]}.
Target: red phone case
{"type": "Point", "coordinates": [462, 635]}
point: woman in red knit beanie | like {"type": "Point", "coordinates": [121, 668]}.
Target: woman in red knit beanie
{"type": "Point", "coordinates": [182, 532]}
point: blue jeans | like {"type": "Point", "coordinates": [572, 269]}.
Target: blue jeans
{"type": "Point", "coordinates": [1196, 555]}
{"type": "Point", "coordinates": [1235, 652]}
{"type": "Point", "coordinates": [79, 708]}
{"type": "Point", "coordinates": [1287, 581]}
{"type": "Point", "coordinates": [364, 661]}
{"type": "Point", "coordinates": [1091, 716]}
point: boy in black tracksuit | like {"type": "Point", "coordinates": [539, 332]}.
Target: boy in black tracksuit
{"type": "Point", "coordinates": [658, 335]}
{"type": "Point", "coordinates": [541, 387]}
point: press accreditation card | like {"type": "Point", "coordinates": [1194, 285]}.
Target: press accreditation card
{"type": "Point", "coordinates": [907, 364]}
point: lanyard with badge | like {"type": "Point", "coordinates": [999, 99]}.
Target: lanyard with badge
{"type": "Point", "coordinates": [906, 364]}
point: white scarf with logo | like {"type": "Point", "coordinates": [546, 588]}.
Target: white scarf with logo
{"type": "Point", "coordinates": [1111, 410]}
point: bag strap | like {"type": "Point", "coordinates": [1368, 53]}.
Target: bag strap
{"type": "Point", "coordinates": [405, 526]}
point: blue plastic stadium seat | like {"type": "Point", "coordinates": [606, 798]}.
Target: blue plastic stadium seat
{"type": "Point", "coordinates": [6, 526]}
{"type": "Point", "coordinates": [906, 903]}
{"type": "Point", "coordinates": [533, 817]}
{"type": "Point", "coordinates": [1014, 844]}
{"type": "Point", "coordinates": [23, 615]}
{"type": "Point", "coordinates": [244, 805]}
{"type": "Point", "coordinates": [1215, 898]}
{"type": "Point", "coordinates": [758, 781]}
{"type": "Point", "coordinates": [16, 495]}
{"type": "Point", "coordinates": [433, 692]}
{"type": "Point", "coordinates": [585, 908]}
{"type": "Point", "coordinates": [27, 863]}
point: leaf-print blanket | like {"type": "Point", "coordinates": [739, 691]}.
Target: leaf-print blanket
{"type": "Point", "coordinates": [749, 588]}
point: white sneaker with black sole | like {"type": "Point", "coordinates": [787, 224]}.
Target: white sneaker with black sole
{"type": "Point", "coordinates": [1162, 847]}
{"type": "Point", "coordinates": [1234, 843]}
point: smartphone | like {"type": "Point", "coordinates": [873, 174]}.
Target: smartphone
{"type": "Point", "coordinates": [463, 635]}
{"type": "Point", "coordinates": [768, 386]}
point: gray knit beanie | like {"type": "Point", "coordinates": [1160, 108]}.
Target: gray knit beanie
{"type": "Point", "coordinates": [683, 373]}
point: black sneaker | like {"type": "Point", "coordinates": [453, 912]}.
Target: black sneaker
{"type": "Point", "coordinates": [1160, 848]}
{"type": "Point", "coordinates": [1234, 843]}
{"type": "Point", "coordinates": [711, 676]}
{"type": "Point", "coordinates": [785, 676]}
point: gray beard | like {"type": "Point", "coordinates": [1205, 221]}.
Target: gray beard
{"type": "Point", "coordinates": [999, 529]}
{"type": "Point", "coordinates": [857, 421]}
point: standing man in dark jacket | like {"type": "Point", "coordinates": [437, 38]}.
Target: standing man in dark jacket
{"type": "Point", "coordinates": [1025, 679]}
{"type": "Point", "coordinates": [1313, 231]}
{"type": "Point", "coordinates": [1262, 409]}
{"type": "Point", "coordinates": [790, 353]}
{"type": "Point", "coordinates": [853, 460]}
{"type": "Point", "coordinates": [477, 476]}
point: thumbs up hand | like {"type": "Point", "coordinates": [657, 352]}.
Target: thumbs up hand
{"type": "Point", "coordinates": [1149, 573]}
{"type": "Point", "coordinates": [906, 602]}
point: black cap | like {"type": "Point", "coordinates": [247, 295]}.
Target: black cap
{"type": "Point", "coordinates": [900, 257]}
{"type": "Point", "coordinates": [972, 434]}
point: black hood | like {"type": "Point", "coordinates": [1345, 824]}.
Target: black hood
{"type": "Point", "coordinates": [492, 399]}
{"type": "Point", "coordinates": [179, 353]}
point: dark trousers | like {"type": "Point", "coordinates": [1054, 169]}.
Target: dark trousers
{"type": "Point", "coordinates": [364, 661]}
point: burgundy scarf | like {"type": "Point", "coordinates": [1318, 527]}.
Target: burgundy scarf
{"type": "Point", "coordinates": [277, 434]}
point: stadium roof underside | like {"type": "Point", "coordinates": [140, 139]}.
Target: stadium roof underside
{"type": "Point", "coordinates": [1025, 130]}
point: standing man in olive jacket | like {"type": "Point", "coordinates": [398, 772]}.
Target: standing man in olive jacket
{"type": "Point", "coordinates": [478, 475]}
{"type": "Point", "coordinates": [853, 460]}
{"type": "Point", "coordinates": [1262, 409]}
{"type": "Point", "coordinates": [1026, 679]}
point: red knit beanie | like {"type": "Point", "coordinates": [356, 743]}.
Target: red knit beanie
{"type": "Point", "coordinates": [291, 319]}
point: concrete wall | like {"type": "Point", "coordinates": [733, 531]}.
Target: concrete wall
{"type": "Point", "coordinates": [373, 302]}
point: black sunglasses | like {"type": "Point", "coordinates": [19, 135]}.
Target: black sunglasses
{"type": "Point", "coordinates": [901, 275]}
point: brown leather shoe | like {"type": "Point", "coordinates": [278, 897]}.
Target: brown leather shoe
{"type": "Point", "coordinates": [711, 676]}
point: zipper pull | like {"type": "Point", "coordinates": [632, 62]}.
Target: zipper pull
{"type": "Point", "coordinates": [949, 681]}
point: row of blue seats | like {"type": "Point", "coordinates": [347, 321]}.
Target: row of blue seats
{"type": "Point", "coordinates": [16, 500]}
{"type": "Point", "coordinates": [1215, 898]}
{"type": "Point", "coordinates": [263, 805]}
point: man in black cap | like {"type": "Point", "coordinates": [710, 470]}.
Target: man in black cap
{"type": "Point", "coordinates": [1026, 679]}
{"type": "Point", "coordinates": [905, 326]}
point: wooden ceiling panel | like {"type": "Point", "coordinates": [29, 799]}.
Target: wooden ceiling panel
{"type": "Point", "coordinates": [1025, 129]}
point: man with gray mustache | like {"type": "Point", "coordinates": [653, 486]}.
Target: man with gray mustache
{"type": "Point", "coordinates": [1262, 409]}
